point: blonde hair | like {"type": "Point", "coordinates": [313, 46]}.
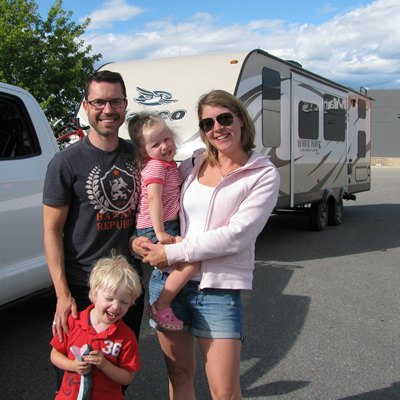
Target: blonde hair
{"type": "Point", "coordinates": [114, 273]}
{"type": "Point", "coordinates": [222, 98]}
{"type": "Point", "coordinates": [137, 125]}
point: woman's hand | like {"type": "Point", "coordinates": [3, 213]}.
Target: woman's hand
{"type": "Point", "coordinates": [136, 245]}
{"type": "Point", "coordinates": [155, 255]}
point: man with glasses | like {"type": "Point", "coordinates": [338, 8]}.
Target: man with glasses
{"type": "Point", "coordinates": [90, 198]}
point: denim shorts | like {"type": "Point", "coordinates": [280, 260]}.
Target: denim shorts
{"type": "Point", "coordinates": [170, 227]}
{"type": "Point", "coordinates": [206, 313]}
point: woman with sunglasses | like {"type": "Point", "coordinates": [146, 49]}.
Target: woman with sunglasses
{"type": "Point", "coordinates": [227, 197]}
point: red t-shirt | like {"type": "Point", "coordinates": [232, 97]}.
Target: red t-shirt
{"type": "Point", "coordinates": [118, 344]}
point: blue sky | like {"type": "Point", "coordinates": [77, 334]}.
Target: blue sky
{"type": "Point", "coordinates": [353, 42]}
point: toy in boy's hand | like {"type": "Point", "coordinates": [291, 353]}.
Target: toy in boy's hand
{"type": "Point", "coordinates": [86, 380]}
{"type": "Point", "coordinates": [79, 353]}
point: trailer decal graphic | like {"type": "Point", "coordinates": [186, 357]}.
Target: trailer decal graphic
{"type": "Point", "coordinates": [343, 164]}
{"type": "Point", "coordinates": [335, 103]}
{"type": "Point", "coordinates": [153, 98]}
{"type": "Point", "coordinates": [322, 181]}
{"type": "Point", "coordinates": [309, 145]}
{"type": "Point", "coordinates": [320, 164]}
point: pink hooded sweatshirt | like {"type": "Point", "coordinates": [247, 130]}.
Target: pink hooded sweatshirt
{"type": "Point", "coordinates": [238, 211]}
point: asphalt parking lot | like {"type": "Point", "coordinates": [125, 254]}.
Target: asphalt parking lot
{"type": "Point", "coordinates": [322, 322]}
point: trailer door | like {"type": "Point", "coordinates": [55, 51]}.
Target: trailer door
{"type": "Point", "coordinates": [359, 143]}
{"type": "Point", "coordinates": [318, 140]}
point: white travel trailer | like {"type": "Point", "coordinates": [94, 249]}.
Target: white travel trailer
{"type": "Point", "coordinates": [316, 131]}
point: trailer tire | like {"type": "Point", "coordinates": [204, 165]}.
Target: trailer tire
{"type": "Point", "coordinates": [335, 212]}
{"type": "Point", "coordinates": [319, 214]}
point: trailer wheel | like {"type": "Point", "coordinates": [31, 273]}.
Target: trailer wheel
{"type": "Point", "coordinates": [335, 213]}
{"type": "Point", "coordinates": [319, 213]}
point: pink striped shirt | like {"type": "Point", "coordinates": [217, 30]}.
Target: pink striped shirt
{"type": "Point", "coordinates": [157, 171]}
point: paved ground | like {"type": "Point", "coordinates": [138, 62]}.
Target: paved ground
{"type": "Point", "coordinates": [321, 323]}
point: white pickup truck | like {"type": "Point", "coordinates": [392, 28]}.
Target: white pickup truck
{"type": "Point", "coordinates": [27, 144]}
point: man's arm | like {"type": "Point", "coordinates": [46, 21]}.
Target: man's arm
{"type": "Point", "coordinates": [53, 221]}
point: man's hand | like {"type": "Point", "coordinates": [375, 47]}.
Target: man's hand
{"type": "Point", "coordinates": [65, 306]}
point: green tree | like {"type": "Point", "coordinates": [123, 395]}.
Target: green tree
{"type": "Point", "coordinates": [48, 58]}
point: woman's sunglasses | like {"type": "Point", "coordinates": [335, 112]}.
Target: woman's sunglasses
{"type": "Point", "coordinates": [224, 119]}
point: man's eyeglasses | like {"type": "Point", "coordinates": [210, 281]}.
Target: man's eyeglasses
{"type": "Point", "coordinates": [224, 119]}
{"type": "Point", "coordinates": [100, 104]}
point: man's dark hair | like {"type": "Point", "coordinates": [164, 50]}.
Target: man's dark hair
{"type": "Point", "coordinates": [105, 76]}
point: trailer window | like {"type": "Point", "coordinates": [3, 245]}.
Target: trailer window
{"type": "Point", "coordinates": [362, 144]}
{"type": "Point", "coordinates": [334, 118]}
{"type": "Point", "coordinates": [308, 120]}
{"type": "Point", "coordinates": [271, 118]}
{"type": "Point", "coordinates": [17, 136]}
{"type": "Point", "coordinates": [362, 109]}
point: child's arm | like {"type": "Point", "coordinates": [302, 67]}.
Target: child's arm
{"type": "Point", "coordinates": [61, 361]}
{"type": "Point", "coordinates": [156, 212]}
{"type": "Point", "coordinates": [117, 374]}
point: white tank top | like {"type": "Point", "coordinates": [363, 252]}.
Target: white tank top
{"type": "Point", "coordinates": [196, 202]}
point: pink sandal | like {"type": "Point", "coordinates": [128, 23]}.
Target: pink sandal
{"type": "Point", "coordinates": [165, 318]}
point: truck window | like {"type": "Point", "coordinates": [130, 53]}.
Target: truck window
{"type": "Point", "coordinates": [334, 118]}
{"type": "Point", "coordinates": [17, 136]}
{"type": "Point", "coordinates": [308, 120]}
{"type": "Point", "coordinates": [271, 117]}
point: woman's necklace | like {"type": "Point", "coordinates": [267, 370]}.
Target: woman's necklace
{"type": "Point", "coordinates": [227, 173]}
{"type": "Point", "coordinates": [237, 166]}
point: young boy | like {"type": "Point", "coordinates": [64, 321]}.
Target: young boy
{"type": "Point", "coordinates": [114, 287]}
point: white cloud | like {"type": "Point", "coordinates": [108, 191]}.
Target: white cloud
{"type": "Point", "coordinates": [363, 44]}
{"type": "Point", "coordinates": [326, 9]}
{"type": "Point", "coordinates": [110, 12]}
{"type": "Point", "coordinates": [358, 48]}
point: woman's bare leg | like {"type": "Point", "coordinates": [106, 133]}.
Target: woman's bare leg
{"type": "Point", "coordinates": [222, 363]}
{"type": "Point", "coordinates": [180, 359]}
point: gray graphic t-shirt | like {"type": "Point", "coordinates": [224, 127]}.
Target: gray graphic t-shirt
{"type": "Point", "coordinates": [102, 191]}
